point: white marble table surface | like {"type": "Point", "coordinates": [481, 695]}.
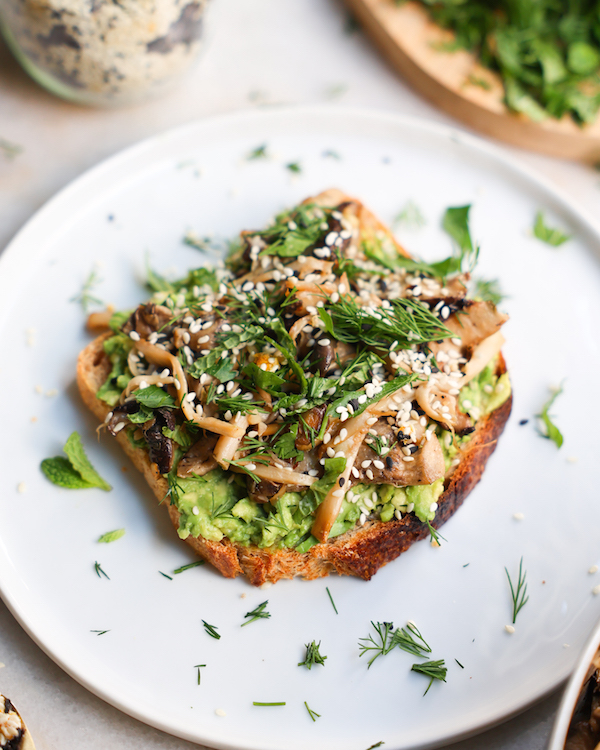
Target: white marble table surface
{"type": "Point", "coordinates": [257, 53]}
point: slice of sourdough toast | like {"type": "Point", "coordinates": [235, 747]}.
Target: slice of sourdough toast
{"type": "Point", "coordinates": [362, 550]}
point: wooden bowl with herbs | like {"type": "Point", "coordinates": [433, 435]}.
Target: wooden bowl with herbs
{"type": "Point", "coordinates": [527, 73]}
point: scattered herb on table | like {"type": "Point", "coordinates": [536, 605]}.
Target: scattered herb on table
{"type": "Point", "coordinates": [111, 536]}
{"type": "Point", "coordinates": [99, 571]}
{"type": "Point", "coordinates": [294, 167]}
{"type": "Point", "coordinates": [410, 639]}
{"type": "Point", "coordinates": [380, 645]}
{"type": "Point", "coordinates": [165, 575]}
{"type": "Point", "coordinates": [257, 614]}
{"type": "Point", "coordinates": [100, 632]}
{"type": "Point", "coordinates": [518, 592]}
{"type": "Point", "coordinates": [10, 150]}
{"type": "Point", "coordinates": [312, 713]}
{"type": "Point", "coordinates": [211, 630]}
{"type": "Point", "coordinates": [435, 670]}
{"type": "Point", "coordinates": [547, 53]}
{"type": "Point", "coordinates": [331, 600]}
{"type": "Point", "coordinates": [75, 471]}
{"type": "Point", "coordinates": [377, 744]}
{"type": "Point", "coordinates": [313, 655]}
{"type": "Point", "coordinates": [188, 566]}
{"type": "Point", "coordinates": [85, 296]}
{"type": "Point", "coordinates": [552, 237]}
{"type": "Point", "coordinates": [257, 703]}
{"type": "Point", "coordinates": [551, 431]}
{"type": "Point", "coordinates": [459, 664]}
{"type": "Point", "coordinates": [331, 154]}
{"type": "Point", "coordinates": [199, 667]}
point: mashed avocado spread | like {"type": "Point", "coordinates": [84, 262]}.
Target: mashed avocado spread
{"type": "Point", "coordinates": [216, 505]}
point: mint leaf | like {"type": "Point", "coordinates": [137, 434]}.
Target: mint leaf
{"type": "Point", "coordinates": [60, 472]}
{"type": "Point", "coordinates": [111, 536]}
{"type": "Point", "coordinates": [81, 463]}
{"type": "Point", "coordinates": [553, 237]}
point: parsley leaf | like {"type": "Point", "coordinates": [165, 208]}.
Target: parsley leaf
{"type": "Point", "coordinates": [552, 237]}
{"type": "Point", "coordinates": [111, 536]}
{"type": "Point", "coordinates": [153, 397]}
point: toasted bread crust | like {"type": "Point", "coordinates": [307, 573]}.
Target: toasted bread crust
{"type": "Point", "coordinates": [359, 552]}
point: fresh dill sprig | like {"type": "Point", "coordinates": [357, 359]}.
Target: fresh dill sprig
{"type": "Point", "coordinates": [188, 566]}
{"type": "Point", "coordinates": [100, 632]}
{"type": "Point", "coordinates": [257, 703]}
{"type": "Point", "coordinates": [410, 216]}
{"type": "Point", "coordinates": [312, 713]}
{"type": "Point", "coordinates": [313, 656]}
{"type": "Point", "coordinates": [244, 467]}
{"type": "Point", "coordinates": [174, 489]}
{"type": "Point", "coordinates": [380, 644]}
{"type": "Point", "coordinates": [99, 571]}
{"type": "Point", "coordinates": [85, 296]}
{"type": "Point", "coordinates": [462, 666]}
{"type": "Point", "coordinates": [434, 535]}
{"type": "Point", "coordinates": [211, 630]}
{"type": "Point", "coordinates": [257, 614]}
{"type": "Point", "coordinates": [435, 670]}
{"type": "Point", "coordinates": [518, 592]}
{"type": "Point", "coordinates": [199, 667]}
{"type": "Point", "coordinates": [379, 443]}
{"type": "Point", "coordinates": [260, 152]}
{"type": "Point", "coordinates": [165, 575]}
{"type": "Point", "coordinates": [410, 639]}
{"type": "Point", "coordinates": [488, 291]}
{"type": "Point", "coordinates": [331, 600]}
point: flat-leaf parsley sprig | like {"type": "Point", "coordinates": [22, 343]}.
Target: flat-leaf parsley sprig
{"type": "Point", "coordinates": [518, 592]}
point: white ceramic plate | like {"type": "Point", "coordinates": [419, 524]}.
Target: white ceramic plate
{"type": "Point", "coordinates": [572, 691]}
{"type": "Point", "coordinates": [142, 202]}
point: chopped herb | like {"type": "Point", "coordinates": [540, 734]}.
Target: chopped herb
{"type": "Point", "coordinates": [459, 664]}
{"type": "Point", "coordinates": [75, 471]}
{"type": "Point", "coordinates": [488, 291]}
{"type": "Point", "coordinates": [377, 744]}
{"type": "Point", "coordinates": [410, 216]}
{"type": "Point", "coordinates": [410, 639]}
{"type": "Point", "coordinates": [211, 630]}
{"type": "Point", "coordinates": [331, 600]}
{"type": "Point", "coordinates": [518, 592]}
{"type": "Point", "coordinates": [435, 670]}
{"type": "Point", "coordinates": [173, 491]}
{"type": "Point", "coordinates": [112, 536]}
{"type": "Point", "coordinates": [199, 667]}
{"type": "Point", "coordinates": [203, 244]}
{"type": "Point", "coordinates": [434, 535]}
{"type": "Point", "coordinates": [294, 167]}
{"type": "Point", "coordinates": [85, 297]}
{"type": "Point", "coordinates": [165, 575]}
{"type": "Point", "coordinates": [256, 703]}
{"type": "Point", "coordinates": [312, 713]}
{"type": "Point", "coordinates": [553, 237]}
{"type": "Point", "coordinates": [10, 150]}
{"type": "Point", "coordinates": [99, 571]}
{"type": "Point", "coordinates": [551, 431]}
{"type": "Point", "coordinates": [257, 614]}
{"type": "Point", "coordinates": [188, 566]}
{"type": "Point", "coordinates": [456, 224]}
{"type": "Point", "coordinates": [153, 397]}
{"type": "Point", "coordinates": [260, 152]}
{"type": "Point", "coordinates": [312, 655]}
{"type": "Point", "coordinates": [100, 632]}
{"type": "Point", "coordinates": [330, 154]}
{"type": "Point", "coordinates": [380, 644]}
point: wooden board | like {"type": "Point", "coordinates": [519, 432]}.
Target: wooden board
{"type": "Point", "coordinates": [408, 38]}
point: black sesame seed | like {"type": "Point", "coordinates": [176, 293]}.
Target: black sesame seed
{"type": "Point", "coordinates": [354, 402]}
{"type": "Point", "coordinates": [413, 448]}
{"type": "Point", "coordinates": [342, 481]}
{"type": "Point", "coordinates": [389, 462]}
{"type": "Point", "coordinates": [523, 421]}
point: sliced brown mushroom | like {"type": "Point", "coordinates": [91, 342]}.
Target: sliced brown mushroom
{"type": "Point", "coordinates": [199, 459]}
{"type": "Point", "coordinates": [161, 449]}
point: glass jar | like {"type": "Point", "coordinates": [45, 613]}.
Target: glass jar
{"type": "Point", "coordinates": [103, 52]}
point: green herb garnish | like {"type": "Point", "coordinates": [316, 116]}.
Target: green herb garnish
{"type": "Point", "coordinates": [153, 397]}
{"type": "Point", "coordinates": [99, 571]}
{"type": "Point", "coordinates": [211, 630]}
{"type": "Point", "coordinates": [199, 667]}
{"type": "Point", "coordinates": [111, 536]}
{"type": "Point", "coordinates": [518, 592]}
{"type": "Point", "coordinates": [312, 655]}
{"type": "Point", "coordinates": [488, 291]}
{"type": "Point", "coordinates": [410, 639]}
{"type": "Point", "coordinates": [85, 297]}
{"type": "Point", "coordinates": [188, 566]}
{"type": "Point", "coordinates": [260, 152]}
{"type": "Point", "coordinates": [551, 430]}
{"type": "Point", "coordinates": [256, 703]}
{"type": "Point", "coordinates": [331, 600]}
{"type": "Point", "coordinates": [381, 644]}
{"type": "Point", "coordinates": [75, 471]}
{"type": "Point", "coordinates": [410, 216]}
{"type": "Point", "coordinates": [294, 167]}
{"type": "Point", "coordinates": [257, 614]}
{"type": "Point", "coordinates": [100, 632]}
{"type": "Point", "coordinates": [550, 236]}
{"type": "Point", "coordinates": [165, 575]}
{"type": "Point", "coordinates": [435, 670]}
{"type": "Point", "coordinates": [312, 713]}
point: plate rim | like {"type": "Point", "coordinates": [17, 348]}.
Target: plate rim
{"type": "Point", "coordinates": [97, 179]}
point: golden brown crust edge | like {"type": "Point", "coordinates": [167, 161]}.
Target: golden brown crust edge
{"type": "Point", "coordinates": [359, 552]}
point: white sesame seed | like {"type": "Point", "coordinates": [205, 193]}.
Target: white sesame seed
{"type": "Point", "coordinates": [378, 464]}
{"type": "Point", "coordinates": [195, 510]}
{"type": "Point", "coordinates": [119, 427]}
{"type": "Point", "coordinates": [366, 464]}
{"type": "Point", "coordinates": [398, 515]}
{"type": "Point", "coordinates": [371, 421]}
{"type": "Point", "coordinates": [21, 487]}
{"type": "Point", "coordinates": [342, 288]}
{"type": "Point", "coordinates": [338, 493]}
{"type": "Point", "coordinates": [251, 466]}
{"type": "Point", "coordinates": [596, 590]}
{"type": "Point", "coordinates": [518, 516]}
{"type": "Point", "coordinates": [134, 336]}
{"type": "Point", "coordinates": [369, 474]}
{"type": "Point", "coordinates": [593, 569]}
{"type": "Point", "coordinates": [355, 472]}
{"type": "Point", "coordinates": [220, 712]}
{"type": "Point", "coordinates": [362, 519]}
{"type": "Point", "coordinates": [330, 452]}
{"type": "Point", "coordinates": [326, 438]}
{"type": "Point", "coordinates": [509, 629]}
{"type": "Point", "coordinates": [407, 458]}
{"type": "Point", "coordinates": [190, 397]}
{"type": "Point", "coordinates": [324, 342]}
{"type": "Point", "coordinates": [433, 507]}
